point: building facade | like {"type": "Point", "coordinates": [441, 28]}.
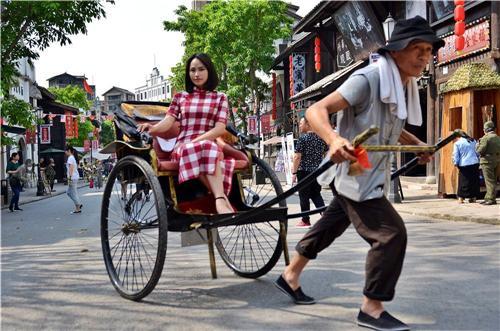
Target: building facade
{"type": "Point", "coordinates": [25, 145]}
{"type": "Point", "coordinates": [348, 32]}
{"type": "Point", "coordinates": [113, 97]}
{"type": "Point", "coordinates": [157, 88]}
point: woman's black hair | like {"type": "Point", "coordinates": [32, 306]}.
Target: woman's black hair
{"type": "Point", "coordinates": [73, 152]}
{"type": "Point", "coordinates": [213, 79]}
{"type": "Point", "coordinates": [12, 156]}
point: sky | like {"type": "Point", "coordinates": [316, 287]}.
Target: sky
{"type": "Point", "coordinates": [122, 49]}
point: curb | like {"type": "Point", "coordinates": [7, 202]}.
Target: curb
{"type": "Point", "coordinates": [454, 218]}
{"type": "Point", "coordinates": [43, 197]}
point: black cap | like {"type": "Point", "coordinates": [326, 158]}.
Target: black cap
{"type": "Point", "coordinates": [405, 31]}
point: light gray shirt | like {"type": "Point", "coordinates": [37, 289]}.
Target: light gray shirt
{"type": "Point", "coordinates": [361, 91]}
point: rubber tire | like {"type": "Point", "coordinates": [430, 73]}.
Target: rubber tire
{"type": "Point", "coordinates": [161, 210]}
{"type": "Point", "coordinates": [279, 246]}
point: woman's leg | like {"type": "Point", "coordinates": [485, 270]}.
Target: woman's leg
{"type": "Point", "coordinates": [72, 193]}
{"type": "Point", "coordinates": [215, 182]}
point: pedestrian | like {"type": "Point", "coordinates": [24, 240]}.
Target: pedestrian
{"type": "Point", "coordinates": [73, 176]}
{"type": "Point", "coordinates": [309, 153]}
{"type": "Point", "coordinates": [384, 94]}
{"type": "Point", "coordinates": [202, 113]}
{"type": "Point", "coordinates": [50, 173]}
{"type": "Point", "coordinates": [466, 159]}
{"type": "Point", "coordinates": [13, 170]}
{"type": "Point", "coordinates": [489, 151]}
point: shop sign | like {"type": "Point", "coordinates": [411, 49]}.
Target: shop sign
{"type": "Point", "coordinates": [477, 38]}
{"type": "Point", "coordinates": [252, 124]}
{"type": "Point", "coordinates": [45, 134]}
{"type": "Point", "coordinates": [344, 57]}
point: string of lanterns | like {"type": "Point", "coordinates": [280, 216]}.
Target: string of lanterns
{"type": "Point", "coordinates": [459, 25]}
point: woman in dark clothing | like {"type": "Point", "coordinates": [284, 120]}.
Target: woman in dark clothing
{"type": "Point", "coordinates": [50, 173]}
{"type": "Point", "coordinates": [14, 181]}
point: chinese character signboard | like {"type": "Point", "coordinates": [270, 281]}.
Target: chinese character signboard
{"type": "Point", "coordinates": [45, 134]}
{"type": "Point", "coordinates": [477, 39]}
{"type": "Point", "coordinates": [252, 124]}
{"type": "Point", "coordinates": [344, 57]}
{"type": "Point", "coordinates": [299, 72]}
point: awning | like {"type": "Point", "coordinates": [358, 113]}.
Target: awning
{"type": "Point", "coordinates": [97, 156]}
{"type": "Point", "coordinates": [327, 84]}
{"type": "Point", "coordinates": [272, 141]}
{"type": "Point", "coordinates": [13, 129]}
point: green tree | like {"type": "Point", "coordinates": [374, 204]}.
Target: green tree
{"type": "Point", "coordinates": [28, 27]}
{"type": "Point", "coordinates": [107, 134]}
{"type": "Point", "coordinates": [239, 35]}
{"type": "Point", "coordinates": [83, 131]}
{"type": "Point", "coordinates": [71, 95]}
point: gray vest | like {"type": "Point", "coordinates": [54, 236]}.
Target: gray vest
{"type": "Point", "coordinates": [351, 122]}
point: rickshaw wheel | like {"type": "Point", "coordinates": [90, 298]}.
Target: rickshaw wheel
{"type": "Point", "coordinates": [252, 250]}
{"type": "Point", "coordinates": [133, 228]}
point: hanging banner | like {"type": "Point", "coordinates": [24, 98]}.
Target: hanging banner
{"type": "Point", "coordinates": [45, 134]}
{"type": "Point", "coordinates": [62, 119]}
{"type": "Point", "coordinates": [299, 72]}
{"type": "Point", "coordinates": [265, 122]}
{"type": "Point", "coordinates": [30, 137]}
{"type": "Point", "coordinates": [252, 124]}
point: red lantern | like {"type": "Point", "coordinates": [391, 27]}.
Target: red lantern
{"type": "Point", "coordinates": [459, 28]}
{"type": "Point", "coordinates": [459, 2]}
{"type": "Point", "coordinates": [459, 13]}
{"type": "Point", "coordinates": [317, 54]}
{"type": "Point", "coordinates": [459, 43]}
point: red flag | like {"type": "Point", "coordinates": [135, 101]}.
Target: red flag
{"type": "Point", "coordinates": [87, 87]}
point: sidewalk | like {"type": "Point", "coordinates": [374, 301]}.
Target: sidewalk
{"type": "Point", "coordinates": [423, 200]}
{"type": "Point", "coordinates": [29, 194]}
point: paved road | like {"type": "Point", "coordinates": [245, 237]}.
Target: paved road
{"type": "Point", "coordinates": [450, 281]}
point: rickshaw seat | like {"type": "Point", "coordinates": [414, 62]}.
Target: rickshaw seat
{"type": "Point", "coordinates": [165, 163]}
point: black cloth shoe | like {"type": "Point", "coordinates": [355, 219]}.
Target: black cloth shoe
{"type": "Point", "coordinates": [297, 296]}
{"type": "Point", "coordinates": [11, 209]}
{"type": "Point", "coordinates": [17, 208]}
{"type": "Point", "coordinates": [489, 203]}
{"type": "Point", "coordinates": [386, 322]}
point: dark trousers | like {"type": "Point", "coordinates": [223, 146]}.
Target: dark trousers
{"type": "Point", "coordinates": [16, 191]}
{"type": "Point", "coordinates": [312, 191]}
{"type": "Point", "coordinates": [378, 223]}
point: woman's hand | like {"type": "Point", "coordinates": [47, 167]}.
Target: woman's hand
{"type": "Point", "coordinates": [144, 127]}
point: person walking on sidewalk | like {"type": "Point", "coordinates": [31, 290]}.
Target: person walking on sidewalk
{"type": "Point", "coordinates": [73, 176]}
{"type": "Point", "coordinates": [489, 150]}
{"type": "Point", "coordinates": [13, 168]}
{"type": "Point", "coordinates": [50, 173]}
{"type": "Point", "coordinates": [466, 159]}
{"type": "Point", "coordinates": [384, 94]}
{"type": "Point", "coordinates": [308, 155]}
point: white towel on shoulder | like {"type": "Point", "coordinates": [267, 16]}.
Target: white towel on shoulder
{"type": "Point", "coordinates": [392, 92]}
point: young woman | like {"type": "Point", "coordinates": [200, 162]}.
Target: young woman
{"type": "Point", "coordinates": [202, 112]}
{"type": "Point", "coordinates": [73, 176]}
{"type": "Point", "coordinates": [14, 181]}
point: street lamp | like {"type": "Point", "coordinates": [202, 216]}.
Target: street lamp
{"type": "Point", "coordinates": [388, 26]}
{"type": "Point", "coordinates": [40, 188]}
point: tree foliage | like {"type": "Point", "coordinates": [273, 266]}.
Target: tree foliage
{"type": "Point", "coordinates": [83, 131]}
{"type": "Point", "coordinates": [28, 27]}
{"type": "Point", "coordinates": [107, 134]}
{"type": "Point", "coordinates": [239, 36]}
{"type": "Point", "coordinates": [71, 95]}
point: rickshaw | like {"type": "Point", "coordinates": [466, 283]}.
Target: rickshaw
{"type": "Point", "coordinates": [143, 201]}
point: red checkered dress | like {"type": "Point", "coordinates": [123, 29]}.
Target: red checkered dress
{"type": "Point", "coordinates": [198, 112]}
